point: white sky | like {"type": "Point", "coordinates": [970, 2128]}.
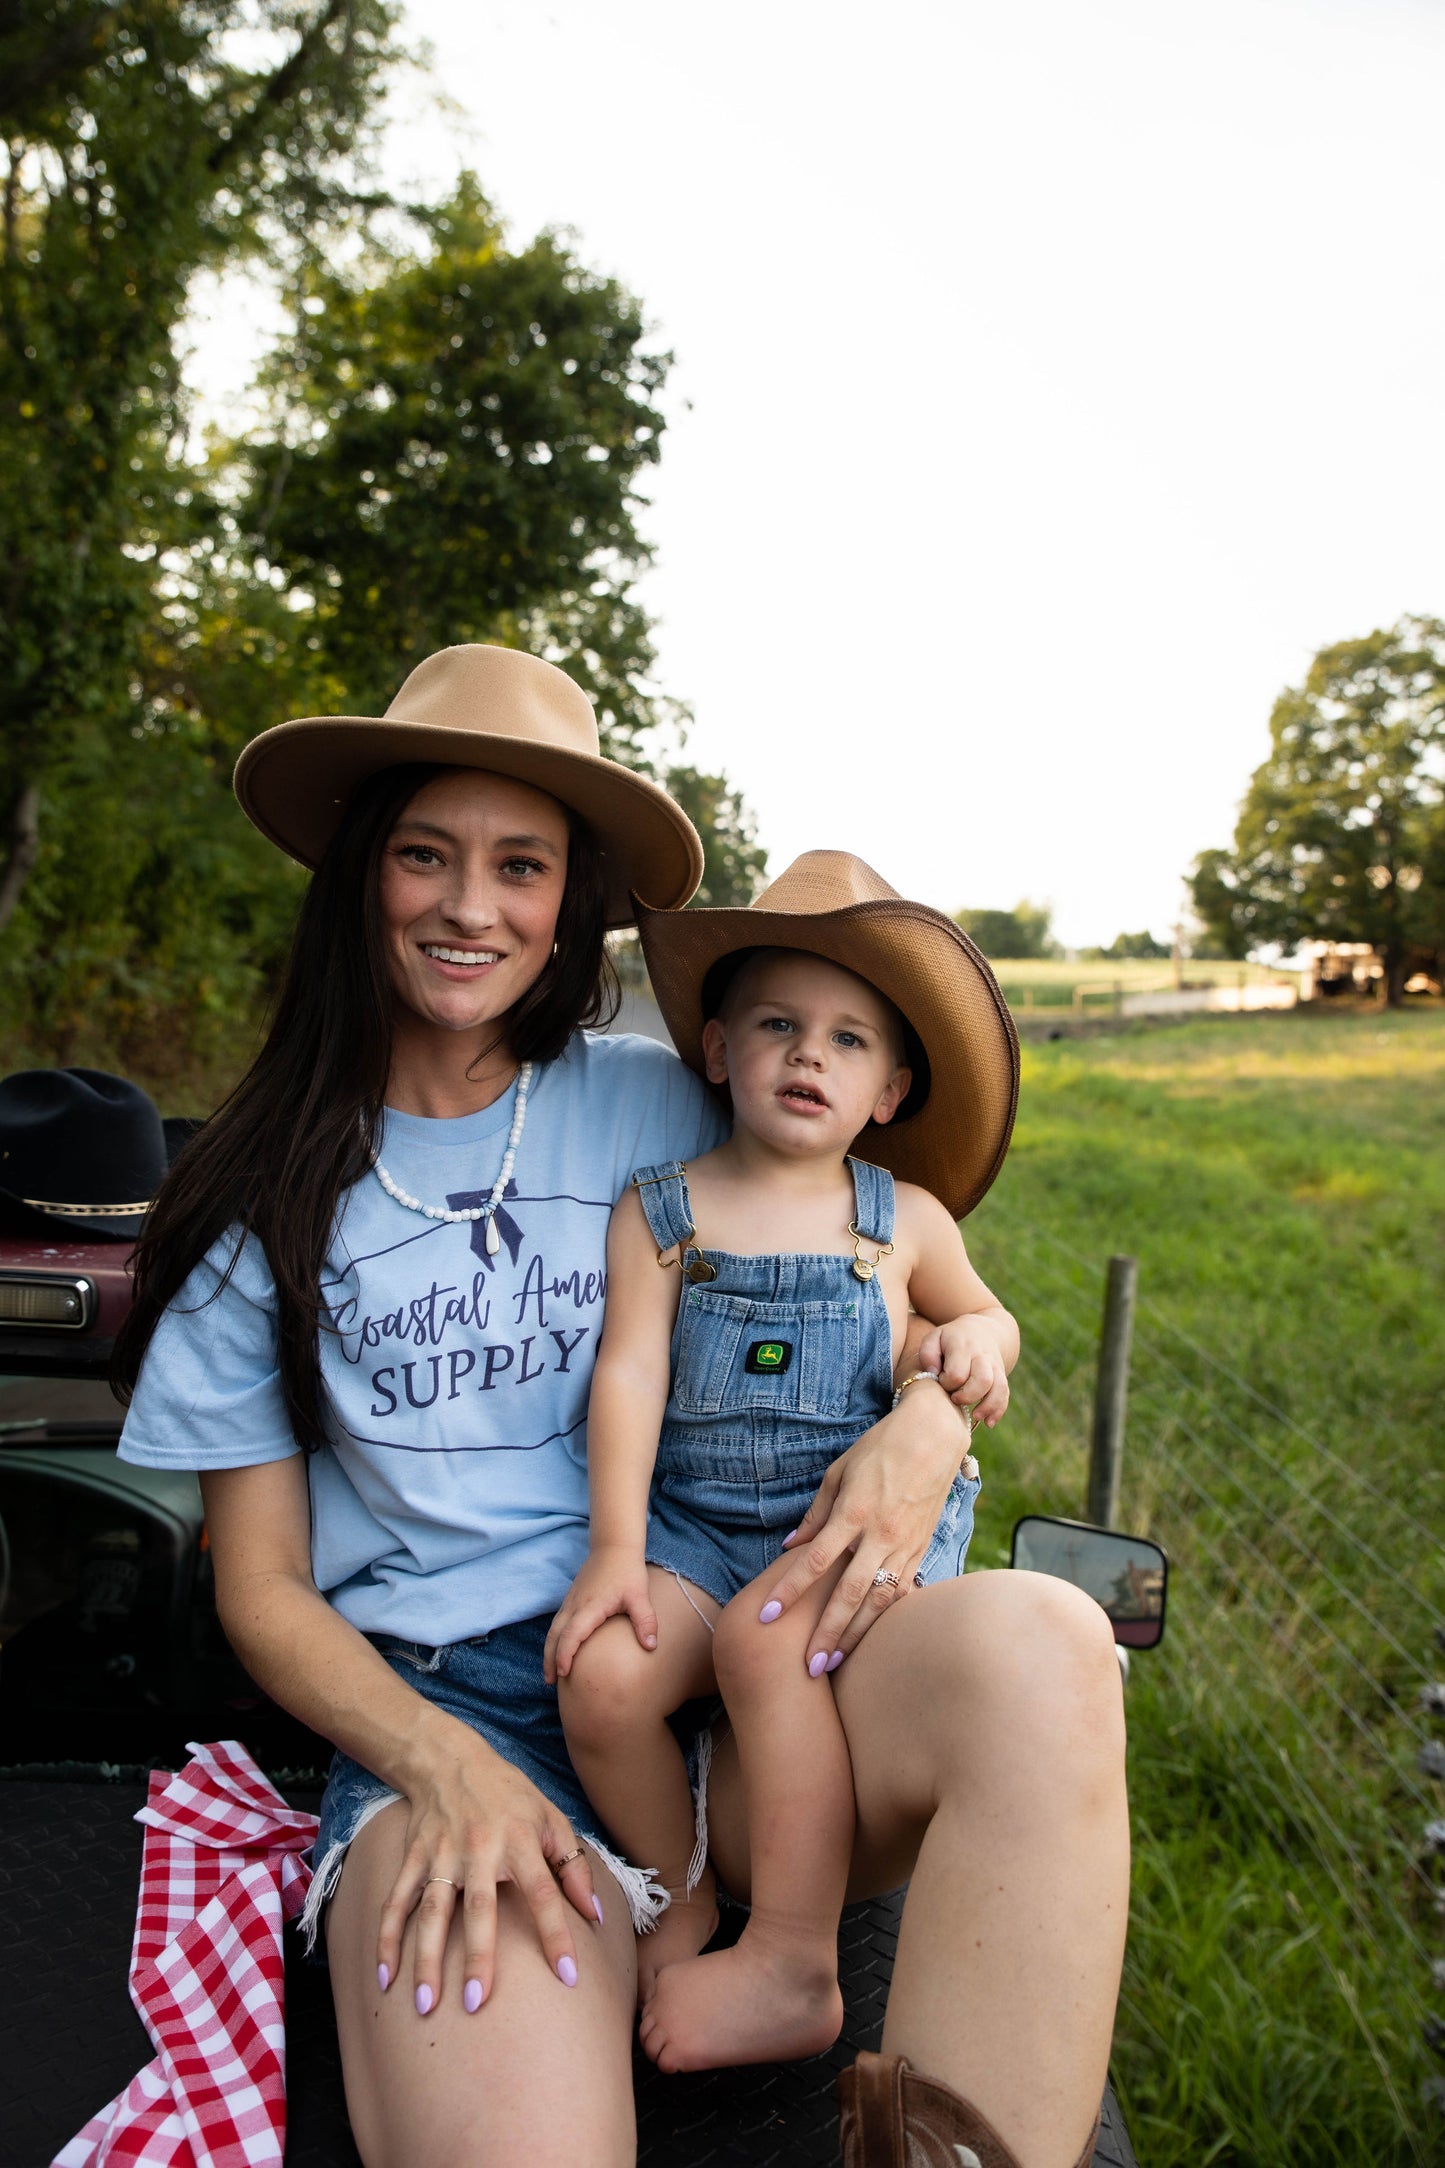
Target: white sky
{"type": "Point", "coordinates": [1052, 380]}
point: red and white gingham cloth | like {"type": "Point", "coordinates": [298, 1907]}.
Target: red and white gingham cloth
{"type": "Point", "coordinates": [220, 1870]}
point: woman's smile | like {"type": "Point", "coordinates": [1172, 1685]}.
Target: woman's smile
{"type": "Point", "coordinates": [464, 957]}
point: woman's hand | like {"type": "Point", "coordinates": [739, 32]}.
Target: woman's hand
{"type": "Point", "coordinates": [881, 1500]}
{"type": "Point", "coordinates": [474, 1822]}
{"type": "Point", "coordinates": [612, 1581]}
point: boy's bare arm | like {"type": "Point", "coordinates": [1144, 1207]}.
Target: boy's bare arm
{"type": "Point", "coordinates": [630, 1380]}
{"type": "Point", "coordinates": [979, 1344]}
{"type": "Point", "coordinates": [624, 1417]}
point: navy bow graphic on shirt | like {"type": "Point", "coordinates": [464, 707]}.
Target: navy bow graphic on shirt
{"type": "Point", "coordinates": [510, 1233]}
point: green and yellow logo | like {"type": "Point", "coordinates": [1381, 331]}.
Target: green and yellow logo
{"type": "Point", "coordinates": [769, 1358]}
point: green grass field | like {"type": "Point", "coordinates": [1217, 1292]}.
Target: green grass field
{"type": "Point", "coordinates": [1281, 1180]}
{"type": "Point", "coordinates": [1050, 982]}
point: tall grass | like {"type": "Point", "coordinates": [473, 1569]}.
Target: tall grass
{"type": "Point", "coordinates": [1281, 1181]}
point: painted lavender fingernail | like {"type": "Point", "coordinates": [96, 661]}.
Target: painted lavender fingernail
{"type": "Point", "coordinates": [383, 1977]}
{"type": "Point", "coordinates": [423, 1999]}
{"type": "Point", "coordinates": [597, 1907]}
{"type": "Point", "coordinates": [834, 1660]}
{"type": "Point", "coordinates": [817, 1665]}
{"type": "Point", "coordinates": [769, 1612]}
{"type": "Point", "coordinates": [472, 1996]}
{"type": "Point", "coordinates": [567, 1971]}
{"type": "Point", "coordinates": [789, 1537]}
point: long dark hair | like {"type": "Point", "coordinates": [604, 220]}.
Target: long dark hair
{"type": "Point", "coordinates": [303, 1123]}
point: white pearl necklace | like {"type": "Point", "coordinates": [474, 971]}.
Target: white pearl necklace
{"type": "Point", "coordinates": [487, 1211]}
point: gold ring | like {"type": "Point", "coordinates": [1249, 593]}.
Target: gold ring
{"type": "Point", "coordinates": [884, 1579]}
{"type": "Point", "coordinates": [441, 1878]}
{"type": "Point", "coordinates": [566, 1859]}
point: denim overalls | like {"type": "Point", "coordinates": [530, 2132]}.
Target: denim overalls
{"type": "Point", "coordinates": [778, 1365]}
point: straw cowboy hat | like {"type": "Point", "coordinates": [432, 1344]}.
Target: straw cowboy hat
{"type": "Point", "coordinates": [477, 707]}
{"type": "Point", "coordinates": [953, 1129]}
{"type": "Point", "coordinates": [81, 1153]}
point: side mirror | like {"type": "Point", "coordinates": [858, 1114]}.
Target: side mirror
{"type": "Point", "coordinates": [1127, 1575]}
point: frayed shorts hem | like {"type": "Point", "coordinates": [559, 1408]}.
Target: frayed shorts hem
{"type": "Point", "coordinates": [645, 1897]}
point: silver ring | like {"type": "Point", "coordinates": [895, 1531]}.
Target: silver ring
{"type": "Point", "coordinates": [884, 1579]}
{"type": "Point", "coordinates": [441, 1878]}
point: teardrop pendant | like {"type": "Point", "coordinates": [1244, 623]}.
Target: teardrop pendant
{"type": "Point", "coordinates": [494, 1240]}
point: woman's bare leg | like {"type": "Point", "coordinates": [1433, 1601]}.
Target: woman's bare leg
{"type": "Point", "coordinates": [985, 1726]}
{"type": "Point", "coordinates": [774, 1995]}
{"type": "Point", "coordinates": [541, 2074]}
{"type": "Point", "coordinates": [615, 1703]}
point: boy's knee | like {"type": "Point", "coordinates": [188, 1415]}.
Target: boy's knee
{"type": "Point", "coordinates": [744, 1652]}
{"type": "Point", "coordinates": [608, 1687]}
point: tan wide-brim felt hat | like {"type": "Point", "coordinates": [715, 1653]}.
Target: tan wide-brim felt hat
{"type": "Point", "coordinates": [829, 903]}
{"type": "Point", "coordinates": [477, 707]}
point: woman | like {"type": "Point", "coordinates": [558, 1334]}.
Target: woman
{"type": "Point", "coordinates": [366, 1310]}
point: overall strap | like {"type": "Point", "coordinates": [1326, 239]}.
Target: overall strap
{"type": "Point", "coordinates": [872, 1200]}
{"type": "Point", "coordinates": [662, 1192]}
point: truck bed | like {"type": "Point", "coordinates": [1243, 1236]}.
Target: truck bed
{"type": "Point", "coordinates": [69, 1873]}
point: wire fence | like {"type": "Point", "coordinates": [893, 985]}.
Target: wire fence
{"type": "Point", "coordinates": [1306, 1631]}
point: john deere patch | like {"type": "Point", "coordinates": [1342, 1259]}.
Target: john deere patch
{"type": "Point", "coordinates": [768, 1358]}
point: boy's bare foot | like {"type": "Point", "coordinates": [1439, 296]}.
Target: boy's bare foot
{"type": "Point", "coordinates": [755, 2003]}
{"type": "Point", "coordinates": [688, 1924]}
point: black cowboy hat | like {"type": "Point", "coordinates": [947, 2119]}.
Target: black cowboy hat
{"type": "Point", "coordinates": [81, 1152]}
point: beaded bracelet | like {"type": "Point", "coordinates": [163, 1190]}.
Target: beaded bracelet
{"type": "Point", "coordinates": [969, 1467]}
{"type": "Point", "coordinates": [915, 1377]}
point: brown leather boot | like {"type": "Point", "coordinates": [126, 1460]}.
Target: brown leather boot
{"type": "Point", "coordinates": [890, 2117]}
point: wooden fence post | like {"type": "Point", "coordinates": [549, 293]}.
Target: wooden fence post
{"type": "Point", "coordinates": [1111, 1393]}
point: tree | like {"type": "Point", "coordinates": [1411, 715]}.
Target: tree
{"type": "Point", "coordinates": [1011, 935]}
{"type": "Point", "coordinates": [141, 141]}
{"type": "Point", "coordinates": [454, 443]}
{"type": "Point", "coordinates": [1130, 948]}
{"type": "Point", "coordinates": [1341, 835]}
{"type": "Point", "coordinates": [734, 864]}
{"type": "Point", "coordinates": [459, 431]}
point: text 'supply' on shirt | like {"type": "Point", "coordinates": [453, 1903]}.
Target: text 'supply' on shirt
{"type": "Point", "coordinates": [452, 1497]}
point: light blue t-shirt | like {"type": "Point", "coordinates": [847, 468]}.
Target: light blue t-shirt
{"type": "Point", "coordinates": [452, 1497]}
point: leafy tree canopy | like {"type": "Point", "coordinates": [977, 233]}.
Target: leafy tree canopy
{"type": "Point", "coordinates": [1341, 835]}
{"type": "Point", "coordinates": [1023, 932]}
{"type": "Point", "coordinates": [1130, 948]}
{"type": "Point", "coordinates": [735, 863]}
{"type": "Point", "coordinates": [456, 434]}
{"type": "Point", "coordinates": [460, 430]}
{"type": "Point", "coordinates": [141, 141]}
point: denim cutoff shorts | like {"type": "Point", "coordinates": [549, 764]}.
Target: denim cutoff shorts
{"type": "Point", "coordinates": [720, 1534]}
{"type": "Point", "coordinates": [494, 1684]}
